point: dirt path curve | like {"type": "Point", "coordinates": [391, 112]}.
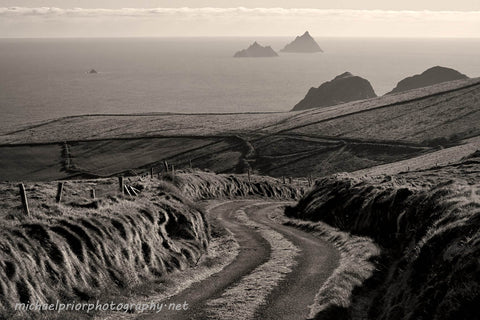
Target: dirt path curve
{"type": "Point", "coordinates": [316, 262]}
{"type": "Point", "coordinates": [236, 291]}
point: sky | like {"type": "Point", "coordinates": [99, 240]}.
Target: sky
{"type": "Point", "coordinates": [192, 18]}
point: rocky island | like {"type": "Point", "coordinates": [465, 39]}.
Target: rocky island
{"type": "Point", "coordinates": [303, 44]}
{"type": "Point", "coordinates": [343, 88]}
{"type": "Point", "coordinates": [256, 51]}
{"type": "Point", "coordinates": [428, 78]}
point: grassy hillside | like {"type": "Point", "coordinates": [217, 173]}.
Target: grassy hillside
{"type": "Point", "coordinates": [427, 223]}
{"type": "Point", "coordinates": [80, 248]}
{"type": "Point", "coordinates": [431, 120]}
{"type": "Point", "coordinates": [317, 142]}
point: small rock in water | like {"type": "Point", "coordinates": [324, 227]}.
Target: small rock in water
{"type": "Point", "coordinates": [92, 71]}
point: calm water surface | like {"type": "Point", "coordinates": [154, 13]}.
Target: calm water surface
{"type": "Point", "coordinates": [46, 78]}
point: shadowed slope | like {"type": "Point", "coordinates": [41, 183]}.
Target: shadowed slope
{"type": "Point", "coordinates": [427, 222]}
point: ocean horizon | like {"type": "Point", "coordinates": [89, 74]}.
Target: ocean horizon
{"type": "Point", "coordinates": [47, 78]}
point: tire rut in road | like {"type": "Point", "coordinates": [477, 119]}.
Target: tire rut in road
{"type": "Point", "coordinates": [242, 300]}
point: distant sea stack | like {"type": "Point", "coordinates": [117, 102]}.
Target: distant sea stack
{"type": "Point", "coordinates": [92, 71]}
{"type": "Point", "coordinates": [303, 44]}
{"type": "Point", "coordinates": [428, 78]}
{"type": "Point", "coordinates": [256, 51]}
{"type": "Point", "coordinates": [344, 88]}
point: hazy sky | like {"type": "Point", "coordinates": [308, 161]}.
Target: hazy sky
{"type": "Point", "coordinates": [329, 18]}
{"type": "Point", "coordinates": [469, 5]}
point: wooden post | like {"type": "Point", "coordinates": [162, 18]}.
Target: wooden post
{"type": "Point", "coordinates": [58, 198]}
{"type": "Point", "coordinates": [248, 174]}
{"type": "Point", "coordinates": [191, 167]}
{"type": "Point", "coordinates": [120, 184]}
{"type": "Point", "coordinates": [23, 196]}
{"type": "Point", "coordinates": [290, 180]}
{"type": "Point", "coordinates": [283, 179]}
{"type": "Point", "coordinates": [92, 193]}
{"type": "Point", "coordinates": [173, 169]}
{"type": "Point", "coordinates": [151, 173]}
{"type": "Point", "coordinates": [165, 163]}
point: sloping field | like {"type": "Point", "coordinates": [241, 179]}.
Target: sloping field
{"type": "Point", "coordinates": [315, 142]}
{"type": "Point", "coordinates": [441, 157]}
{"type": "Point", "coordinates": [151, 125]}
{"type": "Point", "coordinates": [107, 156]}
{"type": "Point", "coordinates": [44, 162]}
{"type": "Point", "coordinates": [427, 223]}
{"type": "Point", "coordinates": [398, 104]}
{"type": "Point", "coordinates": [104, 158]}
{"type": "Point", "coordinates": [449, 116]}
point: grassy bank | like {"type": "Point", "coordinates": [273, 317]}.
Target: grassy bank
{"type": "Point", "coordinates": [427, 223]}
{"type": "Point", "coordinates": [79, 248]}
{"type": "Point", "coordinates": [207, 185]}
{"type": "Point", "coordinates": [356, 264]}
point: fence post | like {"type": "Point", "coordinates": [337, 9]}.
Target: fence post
{"type": "Point", "coordinates": [191, 167]}
{"type": "Point", "coordinates": [23, 196]}
{"type": "Point", "coordinates": [120, 183]}
{"type": "Point", "coordinates": [92, 193]}
{"type": "Point", "coordinates": [173, 169]}
{"type": "Point", "coordinates": [290, 180]}
{"type": "Point", "coordinates": [283, 179]}
{"type": "Point", "coordinates": [58, 198]}
{"type": "Point", "coordinates": [165, 163]}
{"type": "Point", "coordinates": [151, 173]}
{"type": "Point", "coordinates": [248, 174]}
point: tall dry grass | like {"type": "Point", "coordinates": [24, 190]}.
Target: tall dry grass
{"type": "Point", "coordinates": [357, 264]}
{"type": "Point", "coordinates": [76, 251]}
{"type": "Point", "coordinates": [207, 185]}
{"type": "Point", "coordinates": [429, 230]}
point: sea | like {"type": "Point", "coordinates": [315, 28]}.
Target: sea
{"type": "Point", "coordinates": [42, 79]}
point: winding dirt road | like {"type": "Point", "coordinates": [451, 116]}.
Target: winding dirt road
{"type": "Point", "coordinates": [276, 274]}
